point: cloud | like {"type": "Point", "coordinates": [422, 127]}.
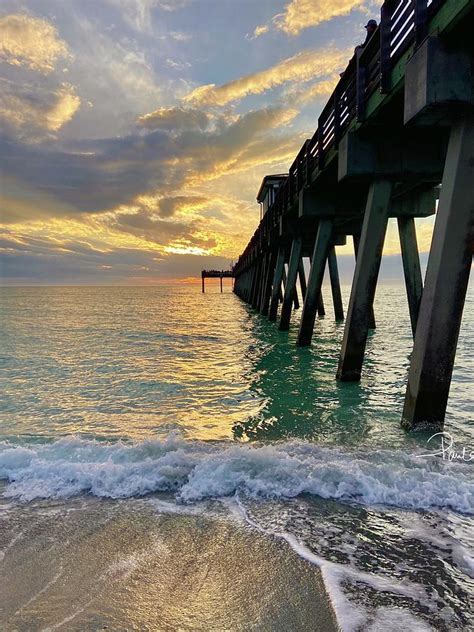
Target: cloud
{"type": "Point", "coordinates": [99, 175]}
{"type": "Point", "coordinates": [178, 204]}
{"type": "Point", "coordinates": [259, 30]}
{"type": "Point", "coordinates": [175, 119]}
{"type": "Point", "coordinates": [138, 13]}
{"type": "Point", "coordinates": [321, 89]}
{"type": "Point", "coordinates": [28, 109]}
{"type": "Point", "coordinates": [301, 14]}
{"type": "Point", "coordinates": [302, 67]}
{"type": "Point", "coordinates": [31, 42]}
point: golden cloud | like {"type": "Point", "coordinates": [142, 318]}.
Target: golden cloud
{"type": "Point", "coordinates": [260, 30]}
{"type": "Point", "coordinates": [302, 67]}
{"type": "Point", "coordinates": [301, 14]}
{"type": "Point", "coordinates": [175, 119]}
{"type": "Point", "coordinates": [48, 111]}
{"type": "Point", "coordinates": [316, 91]}
{"type": "Point", "coordinates": [31, 42]}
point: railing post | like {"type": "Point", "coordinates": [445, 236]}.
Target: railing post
{"type": "Point", "coordinates": [308, 165]}
{"type": "Point", "coordinates": [337, 116]}
{"type": "Point", "coordinates": [320, 144]}
{"type": "Point", "coordinates": [385, 45]}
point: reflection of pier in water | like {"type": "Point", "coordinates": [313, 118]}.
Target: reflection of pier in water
{"type": "Point", "coordinates": [399, 123]}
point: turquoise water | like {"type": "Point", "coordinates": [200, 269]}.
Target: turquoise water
{"type": "Point", "coordinates": [141, 362]}
{"type": "Point", "coordinates": [125, 392]}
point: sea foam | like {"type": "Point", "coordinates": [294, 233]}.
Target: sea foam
{"type": "Point", "coordinates": [195, 471]}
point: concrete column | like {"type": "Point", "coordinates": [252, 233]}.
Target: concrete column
{"type": "Point", "coordinates": [296, 300]}
{"type": "Point", "coordinates": [315, 280]}
{"type": "Point", "coordinates": [446, 282]}
{"type": "Point", "coordinates": [290, 287]}
{"type": "Point", "coordinates": [276, 287]}
{"type": "Point", "coordinates": [356, 240]}
{"type": "Point", "coordinates": [258, 281]}
{"type": "Point", "coordinates": [302, 276]}
{"type": "Point", "coordinates": [335, 285]}
{"type": "Point", "coordinates": [365, 281]}
{"type": "Point", "coordinates": [411, 267]}
{"type": "Point", "coordinates": [253, 282]}
{"type": "Point", "coordinates": [272, 257]}
{"type": "Point", "coordinates": [321, 308]}
{"type": "Point", "coordinates": [263, 274]}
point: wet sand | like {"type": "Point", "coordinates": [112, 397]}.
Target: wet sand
{"type": "Point", "coordinates": [89, 564]}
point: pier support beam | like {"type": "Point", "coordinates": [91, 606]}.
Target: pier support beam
{"type": "Point", "coordinates": [290, 294]}
{"type": "Point", "coordinates": [365, 281]}
{"type": "Point", "coordinates": [446, 282]}
{"type": "Point", "coordinates": [321, 308]}
{"type": "Point", "coordinates": [276, 287]}
{"type": "Point", "coordinates": [335, 285]}
{"type": "Point", "coordinates": [411, 267]}
{"type": "Point", "coordinates": [315, 280]}
{"type": "Point", "coordinates": [302, 277]}
{"type": "Point", "coordinates": [356, 240]}
{"type": "Point", "coordinates": [257, 283]}
{"type": "Point", "coordinates": [264, 305]}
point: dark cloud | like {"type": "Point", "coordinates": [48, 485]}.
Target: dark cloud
{"type": "Point", "coordinates": [99, 175]}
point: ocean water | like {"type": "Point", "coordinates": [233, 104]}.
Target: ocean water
{"type": "Point", "coordinates": [140, 394]}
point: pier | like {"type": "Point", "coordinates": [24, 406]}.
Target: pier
{"type": "Point", "coordinates": [395, 140]}
{"type": "Point", "coordinates": [215, 274]}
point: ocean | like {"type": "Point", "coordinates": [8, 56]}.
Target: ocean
{"type": "Point", "coordinates": [156, 439]}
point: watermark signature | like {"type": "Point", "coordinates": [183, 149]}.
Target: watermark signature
{"type": "Point", "coordinates": [447, 450]}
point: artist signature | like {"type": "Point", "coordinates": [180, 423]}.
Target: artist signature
{"type": "Point", "coordinates": [447, 450]}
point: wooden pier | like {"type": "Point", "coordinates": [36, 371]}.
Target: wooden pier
{"type": "Point", "coordinates": [399, 123]}
{"type": "Point", "coordinates": [215, 274]}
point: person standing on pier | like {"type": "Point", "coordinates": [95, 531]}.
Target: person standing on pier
{"type": "Point", "coordinates": [370, 27]}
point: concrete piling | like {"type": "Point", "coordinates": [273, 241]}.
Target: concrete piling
{"type": "Point", "coordinates": [446, 282]}
{"type": "Point", "coordinates": [315, 280]}
{"type": "Point", "coordinates": [365, 280]}
{"type": "Point", "coordinates": [290, 294]}
{"type": "Point", "coordinates": [411, 267]}
{"type": "Point", "coordinates": [335, 285]}
{"type": "Point", "coordinates": [276, 286]}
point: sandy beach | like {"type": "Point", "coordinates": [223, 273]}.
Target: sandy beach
{"type": "Point", "coordinates": [97, 565]}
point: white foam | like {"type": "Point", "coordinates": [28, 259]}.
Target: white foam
{"type": "Point", "coordinates": [352, 617]}
{"type": "Point", "coordinates": [195, 471]}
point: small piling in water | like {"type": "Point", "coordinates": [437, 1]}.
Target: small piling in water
{"type": "Point", "coordinates": [215, 274]}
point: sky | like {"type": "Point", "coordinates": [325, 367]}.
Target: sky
{"type": "Point", "coordinates": [135, 133]}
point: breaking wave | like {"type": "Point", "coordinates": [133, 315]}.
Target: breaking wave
{"type": "Point", "coordinates": [195, 470]}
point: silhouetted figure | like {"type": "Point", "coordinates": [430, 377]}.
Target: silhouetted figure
{"type": "Point", "coordinates": [370, 27]}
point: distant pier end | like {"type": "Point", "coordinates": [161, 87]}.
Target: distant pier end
{"type": "Point", "coordinates": [399, 123]}
{"type": "Point", "coordinates": [215, 274]}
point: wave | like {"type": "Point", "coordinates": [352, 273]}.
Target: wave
{"type": "Point", "coordinates": [198, 470]}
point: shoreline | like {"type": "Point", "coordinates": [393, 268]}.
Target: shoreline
{"type": "Point", "coordinates": [99, 564]}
